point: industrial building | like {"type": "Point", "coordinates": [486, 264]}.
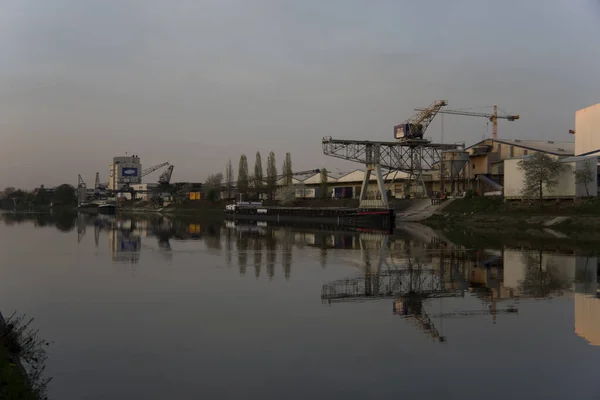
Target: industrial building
{"type": "Point", "coordinates": [124, 171]}
{"type": "Point", "coordinates": [487, 158]}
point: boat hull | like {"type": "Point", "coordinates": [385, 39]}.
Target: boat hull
{"type": "Point", "coordinates": [357, 218]}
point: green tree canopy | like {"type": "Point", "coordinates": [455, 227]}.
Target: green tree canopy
{"type": "Point", "coordinates": [64, 195]}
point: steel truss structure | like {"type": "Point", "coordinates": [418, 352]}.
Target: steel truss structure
{"type": "Point", "coordinates": [413, 156]}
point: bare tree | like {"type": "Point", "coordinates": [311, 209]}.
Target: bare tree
{"type": "Point", "coordinates": [243, 178]}
{"type": "Point", "coordinates": [286, 194]}
{"type": "Point", "coordinates": [586, 175]}
{"type": "Point", "coordinates": [271, 174]}
{"type": "Point", "coordinates": [212, 186]}
{"type": "Point", "coordinates": [540, 170]}
{"type": "Point", "coordinates": [229, 178]}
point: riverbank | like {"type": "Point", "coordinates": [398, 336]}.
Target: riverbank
{"type": "Point", "coordinates": [491, 212]}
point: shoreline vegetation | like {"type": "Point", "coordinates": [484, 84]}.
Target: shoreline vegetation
{"type": "Point", "coordinates": [21, 346]}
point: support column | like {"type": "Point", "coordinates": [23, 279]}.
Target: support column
{"type": "Point", "coordinates": [374, 203]}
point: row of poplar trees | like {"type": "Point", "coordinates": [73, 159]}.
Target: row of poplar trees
{"type": "Point", "coordinates": [247, 181]}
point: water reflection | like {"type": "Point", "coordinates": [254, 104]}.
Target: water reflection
{"type": "Point", "coordinates": [407, 270]}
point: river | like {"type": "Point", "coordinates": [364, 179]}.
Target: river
{"type": "Point", "coordinates": [164, 308]}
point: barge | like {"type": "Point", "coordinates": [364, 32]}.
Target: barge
{"type": "Point", "coordinates": [344, 217]}
{"type": "Point", "coordinates": [95, 208]}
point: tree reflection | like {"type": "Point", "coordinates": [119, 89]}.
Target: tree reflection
{"type": "Point", "coordinates": [271, 255]}
{"type": "Point", "coordinates": [286, 257]}
{"type": "Point", "coordinates": [213, 238]}
{"type": "Point", "coordinates": [541, 280]}
{"type": "Point", "coordinates": [242, 253]}
{"type": "Point", "coordinates": [323, 257]}
{"type": "Point", "coordinates": [257, 256]}
{"type": "Point", "coordinates": [229, 247]}
{"type": "Point", "coordinates": [65, 222]}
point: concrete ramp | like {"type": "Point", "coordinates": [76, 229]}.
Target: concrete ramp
{"type": "Point", "coordinates": [490, 182]}
{"type": "Point", "coordinates": [420, 210]}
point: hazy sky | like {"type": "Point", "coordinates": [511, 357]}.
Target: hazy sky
{"type": "Point", "coordinates": [197, 82]}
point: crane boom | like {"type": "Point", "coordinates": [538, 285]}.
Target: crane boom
{"type": "Point", "coordinates": [154, 168]}
{"type": "Point", "coordinates": [493, 117]}
{"type": "Point", "coordinates": [415, 127]}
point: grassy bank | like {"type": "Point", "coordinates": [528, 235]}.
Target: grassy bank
{"type": "Point", "coordinates": [494, 212]}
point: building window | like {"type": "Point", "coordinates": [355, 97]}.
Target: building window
{"type": "Point", "coordinates": [512, 151]}
{"type": "Point", "coordinates": [525, 152]}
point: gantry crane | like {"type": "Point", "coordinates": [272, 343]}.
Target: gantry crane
{"type": "Point", "coordinates": [493, 116]}
{"type": "Point", "coordinates": [415, 127]}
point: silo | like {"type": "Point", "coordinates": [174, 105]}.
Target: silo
{"type": "Point", "coordinates": [453, 162]}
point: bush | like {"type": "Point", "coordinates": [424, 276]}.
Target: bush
{"type": "Point", "coordinates": [24, 344]}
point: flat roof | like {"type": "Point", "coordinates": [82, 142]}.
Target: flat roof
{"type": "Point", "coordinates": [544, 146]}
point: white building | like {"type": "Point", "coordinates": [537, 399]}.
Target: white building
{"type": "Point", "coordinates": [587, 130]}
{"type": "Point", "coordinates": [567, 188]}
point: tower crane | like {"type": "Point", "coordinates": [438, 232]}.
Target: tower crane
{"type": "Point", "coordinates": [415, 127]}
{"type": "Point", "coordinates": [493, 117]}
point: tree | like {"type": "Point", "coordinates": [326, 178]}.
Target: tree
{"type": "Point", "coordinates": [271, 175]}
{"type": "Point", "coordinates": [287, 169]}
{"type": "Point", "coordinates": [324, 183]}
{"type": "Point", "coordinates": [258, 171]}
{"type": "Point", "coordinates": [212, 186]}
{"type": "Point", "coordinates": [586, 175]}
{"type": "Point", "coordinates": [540, 170]}
{"type": "Point", "coordinates": [243, 179]}
{"type": "Point", "coordinates": [286, 194]}
{"type": "Point", "coordinates": [64, 195]}
{"type": "Point", "coordinates": [229, 178]}
{"type": "Point", "coordinates": [7, 192]}
{"type": "Point", "coordinates": [42, 197]}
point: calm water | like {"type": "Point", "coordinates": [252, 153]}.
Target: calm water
{"type": "Point", "coordinates": [168, 309]}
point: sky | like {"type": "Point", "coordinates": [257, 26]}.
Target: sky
{"type": "Point", "coordinates": [198, 82]}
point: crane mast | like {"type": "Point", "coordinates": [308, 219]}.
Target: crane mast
{"type": "Point", "coordinates": [492, 117]}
